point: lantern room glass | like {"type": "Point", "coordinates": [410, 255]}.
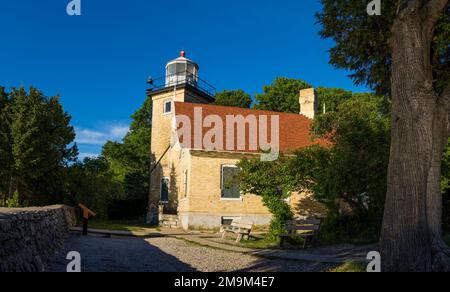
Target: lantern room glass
{"type": "Point", "coordinates": [181, 72]}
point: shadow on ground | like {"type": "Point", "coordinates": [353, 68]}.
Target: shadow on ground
{"type": "Point", "coordinates": [99, 254]}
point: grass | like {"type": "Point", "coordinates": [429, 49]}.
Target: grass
{"type": "Point", "coordinates": [259, 243]}
{"type": "Point", "coordinates": [350, 267]}
{"type": "Point", "coordinates": [122, 225]}
{"type": "Point", "coordinates": [264, 243]}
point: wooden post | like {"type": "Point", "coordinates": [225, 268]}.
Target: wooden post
{"type": "Point", "coordinates": [86, 213]}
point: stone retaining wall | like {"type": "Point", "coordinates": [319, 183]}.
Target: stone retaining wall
{"type": "Point", "coordinates": [29, 236]}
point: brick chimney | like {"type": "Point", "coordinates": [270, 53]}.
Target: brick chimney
{"type": "Point", "coordinates": [308, 102]}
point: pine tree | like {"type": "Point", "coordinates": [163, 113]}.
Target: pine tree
{"type": "Point", "coordinates": [41, 133]}
{"type": "Point", "coordinates": [5, 147]}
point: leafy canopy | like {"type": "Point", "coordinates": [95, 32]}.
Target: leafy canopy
{"type": "Point", "coordinates": [234, 98]}
{"type": "Point", "coordinates": [349, 178]}
{"type": "Point", "coordinates": [36, 143]}
{"type": "Point", "coordinates": [362, 42]}
{"type": "Point", "coordinates": [281, 96]}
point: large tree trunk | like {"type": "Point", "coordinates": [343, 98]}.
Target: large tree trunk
{"type": "Point", "coordinates": [411, 233]}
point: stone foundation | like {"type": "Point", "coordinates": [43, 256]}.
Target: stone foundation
{"type": "Point", "coordinates": [28, 237]}
{"type": "Point", "coordinates": [190, 220]}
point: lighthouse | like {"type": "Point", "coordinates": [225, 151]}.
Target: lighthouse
{"type": "Point", "coordinates": [180, 84]}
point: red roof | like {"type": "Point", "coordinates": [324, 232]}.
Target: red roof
{"type": "Point", "coordinates": [294, 129]}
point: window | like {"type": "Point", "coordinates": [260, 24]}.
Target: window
{"type": "Point", "coordinates": [229, 220]}
{"type": "Point", "coordinates": [165, 185]}
{"type": "Point", "coordinates": [229, 185]}
{"type": "Point", "coordinates": [185, 182]}
{"type": "Point", "coordinates": [167, 107]}
{"type": "Point", "coordinates": [181, 69]}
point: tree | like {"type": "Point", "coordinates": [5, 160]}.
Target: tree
{"type": "Point", "coordinates": [91, 182]}
{"type": "Point", "coordinates": [351, 172]}
{"type": "Point", "coordinates": [330, 98]}
{"type": "Point", "coordinates": [404, 52]}
{"type": "Point", "coordinates": [40, 139]}
{"type": "Point", "coordinates": [281, 96]}
{"type": "Point", "coordinates": [235, 98]}
{"type": "Point", "coordinates": [129, 161]}
{"type": "Point", "coordinates": [349, 177]}
{"type": "Point", "coordinates": [446, 188]}
{"type": "Point", "coordinates": [5, 147]}
{"type": "Point", "coordinates": [266, 179]}
{"type": "Point", "coordinates": [284, 94]}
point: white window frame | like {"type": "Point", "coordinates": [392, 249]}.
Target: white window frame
{"type": "Point", "coordinates": [164, 106]}
{"type": "Point", "coordinates": [168, 190]}
{"type": "Point", "coordinates": [240, 199]}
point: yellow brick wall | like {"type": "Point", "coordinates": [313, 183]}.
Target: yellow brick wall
{"type": "Point", "coordinates": [161, 135]}
{"type": "Point", "coordinates": [205, 193]}
{"type": "Point", "coordinates": [161, 129]}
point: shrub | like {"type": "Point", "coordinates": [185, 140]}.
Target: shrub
{"type": "Point", "coordinates": [13, 202]}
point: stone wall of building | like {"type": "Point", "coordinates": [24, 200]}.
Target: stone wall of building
{"type": "Point", "coordinates": [29, 236]}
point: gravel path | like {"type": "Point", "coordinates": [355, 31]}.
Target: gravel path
{"type": "Point", "coordinates": [166, 254]}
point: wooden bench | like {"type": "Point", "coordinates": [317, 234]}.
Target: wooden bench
{"type": "Point", "coordinates": [305, 229]}
{"type": "Point", "coordinates": [242, 229]}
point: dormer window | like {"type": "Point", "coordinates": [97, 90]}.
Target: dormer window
{"type": "Point", "coordinates": [168, 107]}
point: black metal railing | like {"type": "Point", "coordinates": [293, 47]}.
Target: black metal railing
{"type": "Point", "coordinates": [181, 78]}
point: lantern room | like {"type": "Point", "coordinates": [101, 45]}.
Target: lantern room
{"type": "Point", "coordinates": [181, 70]}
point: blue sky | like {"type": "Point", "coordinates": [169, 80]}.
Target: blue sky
{"type": "Point", "coordinates": [99, 62]}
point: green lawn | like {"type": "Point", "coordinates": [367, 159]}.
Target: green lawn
{"type": "Point", "coordinates": [126, 225]}
{"type": "Point", "coordinates": [263, 243]}
{"type": "Point", "coordinates": [259, 243]}
{"type": "Point", "coordinates": [350, 268]}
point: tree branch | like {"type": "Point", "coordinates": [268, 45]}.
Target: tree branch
{"type": "Point", "coordinates": [433, 11]}
{"type": "Point", "coordinates": [434, 8]}
{"type": "Point", "coordinates": [407, 7]}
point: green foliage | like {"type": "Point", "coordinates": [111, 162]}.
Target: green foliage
{"type": "Point", "coordinates": [129, 161]}
{"type": "Point", "coordinates": [266, 179]}
{"type": "Point", "coordinates": [350, 267]}
{"type": "Point", "coordinates": [13, 202]}
{"type": "Point", "coordinates": [441, 52]}
{"type": "Point", "coordinates": [362, 42]}
{"type": "Point", "coordinates": [281, 96]}
{"type": "Point", "coordinates": [115, 185]}
{"type": "Point", "coordinates": [119, 225]}
{"type": "Point", "coordinates": [5, 145]}
{"type": "Point", "coordinates": [349, 177]}
{"type": "Point", "coordinates": [92, 184]}
{"type": "Point", "coordinates": [235, 98]}
{"type": "Point", "coordinates": [330, 98]}
{"type": "Point", "coordinates": [445, 182]}
{"type": "Point", "coordinates": [38, 158]}
{"type": "Point", "coordinates": [446, 169]}
{"type": "Point", "coordinates": [35, 145]}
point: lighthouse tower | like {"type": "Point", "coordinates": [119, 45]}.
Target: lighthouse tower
{"type": "Point", "coordinates": [180, 84]}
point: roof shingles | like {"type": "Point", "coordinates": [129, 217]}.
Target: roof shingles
{"type": "Point", "coordinates": [294, 129]}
